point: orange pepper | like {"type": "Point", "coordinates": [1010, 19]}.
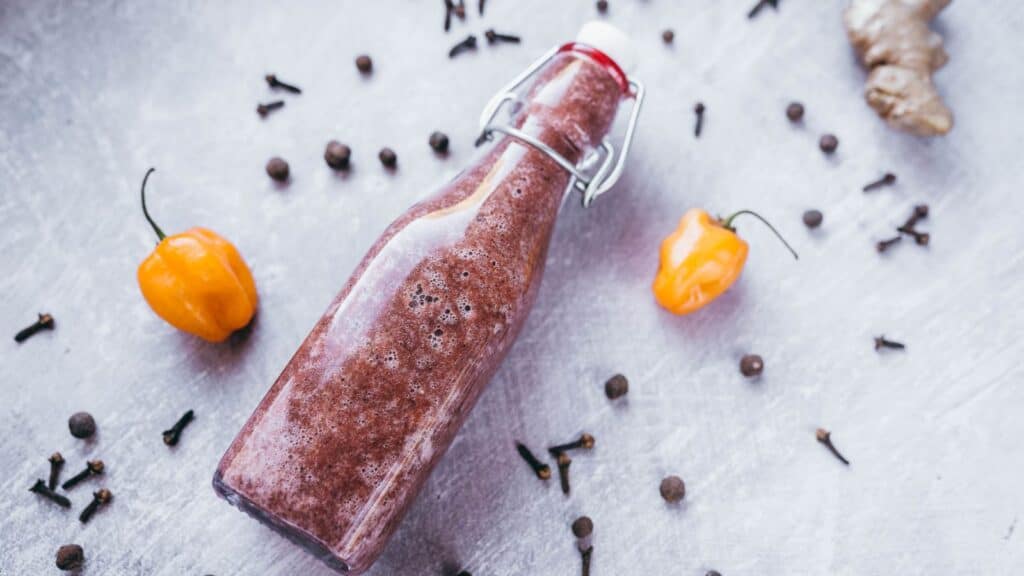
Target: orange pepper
{"type": "Point", "coordinates": [700, 260]}
{"type": "Point", "coordinates": [197, 281]}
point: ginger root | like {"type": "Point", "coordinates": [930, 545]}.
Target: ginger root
{"type": "Point", "coordinates": [896, 44]}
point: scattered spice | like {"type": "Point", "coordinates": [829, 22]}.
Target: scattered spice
{"type": "Point", "coordinates": [825, 437]}
{"type": "Point", "coordinates": [92, 468]}
{"type": "Point", "coordinates": [82, 425]}
{"type": "Point", "coordinates": [751, 365]}
{"type": "Point", "coordinates": [388, 157]}
{"type": "Point", "coordinates": [698, 109]}
{"type": "Point", "coordinates": [761, 4]}
{"type": "Point", "coordinates": [439, 142]}
{"type": "Point", "coordinates": [44, 322]}
{"type": "Point", "coordinates": [468, 44]}
{"type": "Point", "coordinates": [278, 169]}
{"type": "Point", "coordinates": [887, 180]}
{"type": "Point", "coordinates": [563, 471]}
{"type": "Point", "coordinates": [585, 441]}
{"type": "Point", "coordinates": [99, 498]}
{"type": "Point", "coordinates": [70, 557]}
{"type": "Point", "coordinates": [673, 489]}
{"type": "Point", "coordinates": [585, 560]}
{"type": "Point", "coordinates": [493, 37]}
{"type": "Point", "coordinates": [920, 213]}
{"type": "Point", "coordinates": [460, 9]}
{"type": "Point", "coordinates": [582, 527]}
{"type": "Point", "coordinates": [449, 7]}
{"type": "Point", "coordinates": [273, 82]}
{"type": "Point", "coordinates": [56, 464]}
{"type": "Point", "coordinates": [602, 6]}
{"type": "Point", "coordinates": [813, 218]}
{"type": "Point", "coordinates": [542, 470]}
{"type": "Point", "coordinates": [364, 64]}
{"type": "Point", "coordinates": [464, 573]}
{"type": "Point", "coordinates": [713, 573]}
{"type": "Point", "coordinates": [795, 112]}
{"type": "Point", "coordinates": [828, 143]}
{"type": "Point", "coordinates": [43, 490]}
{"type": "Point", "coordinates": [883, 342]}
{"type": "Point", "coordinates": [921, 238]}
{"type": "Point", "coordinates": [668, 36]}
{"type": "Point", "coordinates": [616, 387]}
{"type": "Point", "coordinates": [884, 245]}
{"type": "Point", "coordinates": [264, 109]}
{"type": "Point", "coordinates": [337, 155]}
{"type": "Point", "coordinates": [173, 434]}
{"type": "Point", "coordinates": [480, 7]}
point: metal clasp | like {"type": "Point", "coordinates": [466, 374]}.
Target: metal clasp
{"type": "Point", "coordinates": [591, 181]}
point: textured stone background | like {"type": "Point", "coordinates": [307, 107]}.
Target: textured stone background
{"type": "Point", "coordinates": [93, 93]}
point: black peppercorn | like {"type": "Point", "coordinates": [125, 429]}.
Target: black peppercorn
{"type": "Point", "coordinates": [70, 557]}
{"type": "Point", "coordinates": [673, 489]}
{"type": "Point", "coordinates": [337, 155]}
{"type": "Point", "coordinates": [751, 365]}
{"type": "Point", "coordinates": [668, 36]}
{"type": "Point", "coordinates": [813, 218]}
{"type": "Point", "coordinates": [795, 111]}
{"type": "Point", "coordinates": [364, 64]}
{"type": "Point", "coordinates": [82, 425]}
{"type": "Point", "coordinates": [388, 157]}
{"type": "Point", "coordinates": [582, 527]}
{"type": "Point", "coordinates": [277, 169]}
{"type": "Point", "coordinates": [602, 6]}
{"type": "Point", "coordinates": [439, 142]}
{"type": "Point", "coordinates": [828, 143]}
{"type": "Point", "coordinates": [616, 387]}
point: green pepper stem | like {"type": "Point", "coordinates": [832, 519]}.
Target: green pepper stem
{"type": "Point", "coordinates": [727, 224]}
{"type": "Point", "coordinates": [159, 233]}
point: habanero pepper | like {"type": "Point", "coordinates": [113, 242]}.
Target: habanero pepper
{"type": "Point", "coordinates": [700, 260]}
{"type": "Point", "coordinates": [197, 281]}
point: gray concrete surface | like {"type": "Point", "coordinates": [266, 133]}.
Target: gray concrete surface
{"type": "Point", "coordinates": [93, 93]}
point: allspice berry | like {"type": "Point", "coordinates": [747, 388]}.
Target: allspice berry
{"type": "Point", "coordinates": [673, 489]}
{"type": "Point", "coordinates": [828, 143]}
{"type": "Point", "coordinates": [751, 365]}
{"type": "Point", "coordinates": [82, 425]}
{"type": "Point", "coordinates": [668, 36]}
{"type": "Point", "coordinates": [795, 111]}
{"type": "Point", "coordinates": [70, 557]}
{"type": "Point", "coordinates": [813, 218]}
{"type": "Point", "coordinates": [337, 155]}
{"type": "Point", "coordinates": [602, 6]}
{"type": "Point", "coordinates": [582, 527]}
{"type": "Point", "coordinates": [364, 64]}
{"type": "Point", "coordinates": [388, 157]}
{"type": "Point", "coordinates": [616, 387]}
{"type": "Point", "coordinates": [277, 169]}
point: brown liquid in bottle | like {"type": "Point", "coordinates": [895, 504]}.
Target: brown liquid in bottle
{"type": "Point", "coordinates": [338, 449]}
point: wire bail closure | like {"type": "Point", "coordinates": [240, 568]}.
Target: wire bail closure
{"type": "Point", "coordinates": [591, 181]}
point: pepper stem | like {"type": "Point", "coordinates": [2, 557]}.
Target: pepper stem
{"type": "Point", "coordinates": [159, 233]}
{"type": "Point", "coordinates": [727, 224]}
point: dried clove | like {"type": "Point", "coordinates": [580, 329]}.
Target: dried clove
{"type": "Point", "coordinates": [493, 37]}
{"type": "Point", "coordinates": [582, 527]}
{"type": "Point", "coordinates": [439, 142]}
{"type": "Point", "coordinates": [563, 471]}
{"type": "Point", "coordinates": [460, 9]}
{"type": "Point", "coordinates": [388, 158]}
{"type": "Point", "coordinates": [883, 342]}
{"type": "Point", "coordinates": [449, 7]}
{"type": "Point", "coordinates": [698, 109]}
{"type": "Point", "coordinates": [585, 560]}
{"type": "Point", "coordinates": [264, 109]}
{"type": "Point", "coordinates": [795, 111]}
{"type": "Point", "coordinates": [761, 4]}
{"type": "Point", "coordinates": [672, 489]}
{"type": "Point", "coordinates": [825, 437]}
{"type": "Point", "coordinates": [813, 218]}
{"type": "Point", "coordinates": [92, 468]}
{"type": "Point", "coordinates": [828, 143]}
{"type": "Point", "coordinates": [173, 434]}
{"type": "Point", "coordinates": [884, 245]}
{"type": "Point", "coordinates": [751, 365]}
{"type": "Point", "coordinates": [364, 64]}
{"type": "Point", "coordinates": [45, 322]}
{"type": "Point", "coordinates": [887, 180]}
{"type": "Point", "coordinates": [616, 387]}
{"type": "Point", "coordinates": [273, 82]}
{"type": "Point", "coordinates": [468, 44]}
{"type": "Point", "coordinates": [56, 463]}
{"type": "Point", "coordinates": [82, 425]}
{"type": "Point", "coordinates": [99, 498]}
{"type": "Point", "coordinates": [585, 441]}
{"type": "Point", "coordinates": [43, 490]}
{"type": "Point", "coordinates": [542, 470]}
{"type": "Point", "coordinates": [921, 238]}
{"type": "Point", "coordinates": [602, 6]}
{"type": "Point", "coordinates": [920, 213]}
{"type": "Point", "coordinates": [713, 573]}
{"type": "Point", "coordinates": [277, 168]}
{"type": "Point", "coordinates": [70, 557]}
{"type": "Point", "coordinates": [337, 155]}
{"type": "Point", "coordinates": [480, 7]}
